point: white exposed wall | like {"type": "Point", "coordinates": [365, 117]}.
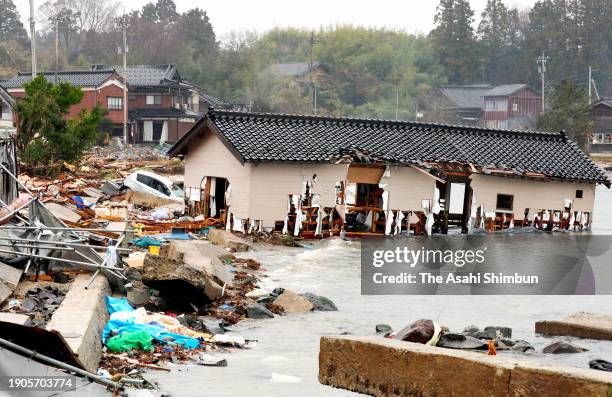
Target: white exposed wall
{"type": "Point", "coordinates": [531, 194]}
{"type": "Point", "coordinates": [271, 184]}
{"type": "Point", "coordinates": [407, 187]}
{"type": "Point", "coordinates": [208, 156]}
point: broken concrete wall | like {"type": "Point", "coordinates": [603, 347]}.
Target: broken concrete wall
{"type": "Point", "coordinates": [407, 187]}
{"type": "Point", "coordinates": [271, 185]}
{"type": "Point", "coordinates": [531, 193]}
{"type": "Point", "coordinates": [210, 157]}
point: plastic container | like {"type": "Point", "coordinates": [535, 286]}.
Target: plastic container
{"type": "Point", "coordinates": [154, 249]}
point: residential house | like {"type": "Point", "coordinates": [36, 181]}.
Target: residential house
{"type": "Point", "coordinates": [320, 176]}
{"type": "Point", "coordinates": [162, 105]}
{"type": "Point", "coordinates": [7, 105]}
{"type": "Point", "coordinates": [601, 138]}
{"type": "Point", "coordinates": [302, 74]}
{"type": "Point", "coordinates": [511, 106]}
{"type": "Point", "coordinates": [102, 86]}
{"type": "Point", "coordinates": [457, 104]}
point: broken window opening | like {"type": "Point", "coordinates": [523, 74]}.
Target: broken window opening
{"type": "Point", "coordinates": [505, 202]}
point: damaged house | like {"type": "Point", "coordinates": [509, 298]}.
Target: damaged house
{"type": "Point", "coordinates": [320, 176]}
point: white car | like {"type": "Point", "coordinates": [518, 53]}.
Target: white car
{"type": "Point", "coordinates": [157, 185]}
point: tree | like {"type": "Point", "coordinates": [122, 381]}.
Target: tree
{"type": "Point", "coordinates": [161, 11]}
{"type": "Point", "coordinates": [453, 39]}
{"type": "Point", "coordinates": [570, 112]}
{"type": "Point", "coordinates": [13, 39]}
{"type": "Point", "coordinates": [44, 134]}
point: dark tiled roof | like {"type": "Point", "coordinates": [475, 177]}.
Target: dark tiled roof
{"type": "Point", "coordinates": [78, 78]}
{"type": "Point", "coordinates": [505, 89]}
{"type": "Point", "coordinates": [466, 96]}
{"type": "Point", "coordinates": [276, 137]}
{"type": "Point", "coordinates": [146, 75]}
{"type": "Point", "coordinates": [290, 69]}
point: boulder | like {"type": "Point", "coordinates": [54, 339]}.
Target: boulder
{"type": "Point", "coordinates": [495, 332]}
{"type": "Point", "coordinates": [227, 239]}
{"type": "Point", "coordinates": [522, 346]}
{"type": "Point", "coordinates": [290, 302]}
{"type": "Point", "coordinates": [420, 331]}
{"type": "Point", "coordinates": [255, 310]}
{"type": "Point", "coordinates": [451, 340]}
{"type": "Point", "coordinates": [320, 303]}
{"type": "Point", "coordinates": [383, 329]}
{"type": "Point", "coordinates": [560, 347]}
{"type": "Point", "coordinates": [471, 330]}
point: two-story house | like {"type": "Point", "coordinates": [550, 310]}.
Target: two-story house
{"type": "Point", "coordinates": [162, 105]}
{"type": "Point", "coordinates": [456, 104]}
{"type": "Point", "coordinates": [104, 87]}
{"type": "Point", "coordinates": [601, 138]}
{"type": "Point", "coordinates": [7, 121]}
{"type": "Point", "coordinates": [511, 106]}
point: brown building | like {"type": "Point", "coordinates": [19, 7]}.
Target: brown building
{"type": "Point", "coordinates": [102, 86]}
{"type": "Point", "coordinates": [457, 104]}
{"type": "Point", "coordinates": [601, 138]}
{"type": "Point", "coordinates": [162, 105]}
{"type": "Point", "coordinates": [511, 106]}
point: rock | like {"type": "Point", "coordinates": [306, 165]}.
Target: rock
{"type": "Point", "coordinates": [420, 331]}
{"type": "Point", "coordinates": [291, 302]}
{"type": "Point", "coordinates": [383, 329]}
{"type": "Point", "coordinates": [226, 239]}
{"type": "Point", "coordinates": [471, 330]}
{"type": "Point", "coordinates": [138, 294]}
{"type": "Point", "coordinates": [507, 342]}
{"type": "Point", "coordinates": [496, 332]}
{"type": "Point", "coordinates": [277, 291]}
{"type": "Point", "coordinates": [522, 346]}
{"type": "Point", "coordinates": [116, 143]}
{"type": "Point", "coordinates": [209, 325]}
{"type": "Point", "coordinates": [560, 347]}
{"type": "Point", "coordinates": [453, 340]}
{"type": "Point", "coordinates": [320, 303]}
{"type": "Point", "coordinates": [255, 310]}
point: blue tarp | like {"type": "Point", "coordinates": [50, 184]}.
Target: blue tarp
{"type": "Point", "coordinates": [156, 330]}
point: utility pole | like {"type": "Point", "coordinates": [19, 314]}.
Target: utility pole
{"type": "Point", "coordinates": [396, 105]}
{"type": "Point", "coordinates": [123, 24]}
{"type": "Point", "coordinates": [590, 83]}
{"type": "Point", "coordinates": [541, 61]}
{"type": "Point", "coordinates": [312, 87]}
{"type": "Point", "coordinates": [56, 19]}
{"type": "Point", "coordinates": [33, 38]}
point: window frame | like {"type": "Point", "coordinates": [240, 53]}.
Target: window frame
{"type": "Point", "coordinates": [114, 107]}
{"type": "Point", "coordinates": [156, 99]}
{"type": "Point", "coordinates": [497, 202]}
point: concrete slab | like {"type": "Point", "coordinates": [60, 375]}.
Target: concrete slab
{"type": "Point", "coordinates": [382, 367]}
{"type": "Point", "coordinates": [81, 318]}
{"type": "Point", "coordinates": [9, 278]}
{"type": "Point", "coordinates": [581, 325]}
{"type": "Point", "coordinates": [63, 213]}
{"type": "Point", "coordinates": [227, 239]}
{"type": "Point", "coordinates": [15, 318]}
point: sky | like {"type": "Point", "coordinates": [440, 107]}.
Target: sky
{"type": "Point", "coordinates": [412, 16]}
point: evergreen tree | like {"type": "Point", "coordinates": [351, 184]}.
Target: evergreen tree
{"type": "Point", "coordinates": [570, 112]}
{"type": "Point", "coordinates": [453, 39]}
{"type": "Point", "coordinates": [14, 40]}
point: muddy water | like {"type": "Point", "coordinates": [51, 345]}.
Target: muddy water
{"type": "Point", "coordinates": [284, 363]}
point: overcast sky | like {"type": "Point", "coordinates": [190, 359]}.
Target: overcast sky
{"type": "Point", "coordinates": [240, 15]}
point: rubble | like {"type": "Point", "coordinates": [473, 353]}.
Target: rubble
{"type": "Point", "coordinates": [561, 347]}
{"type": "Point", "coordinates": [290, 302]}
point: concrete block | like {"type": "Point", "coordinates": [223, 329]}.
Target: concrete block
{"type": "Point", "coordinates": [384, 367]}
{"type": "Point", "coordinates": [81, 318]}
{"type": "Point", "coordinates": [581, 325]}
{"type": "Point", "coordinates": [63, 213]}
{"type": "Point", "coordinates": [226, 239]}
{"type": "Point", "coordinates": [293, 303]}
{"type": "Point", "coordinates": [15, 318]}
{"type": "Point", "coordinates": [9, 278]}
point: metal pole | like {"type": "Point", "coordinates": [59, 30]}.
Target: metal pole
{"type": "Point", "coordinates": [35, 246]}
{"type": "Point", "coordinates": [77, 229]}
{"type": "Point", "coordinates": [56, 47]}
{"type": "Point", "coordinates": [69, 244]}
{"type": "Point", "coordinates": [33, 38]}
{"type": "Point", "coordinates": [10, 214]}
{"type": "Point", "coordinates": [59, 259]}
{"type": "Point", "coordinates": [123, 23]}
{"type": "Point", "coordinates": [17, 179]}
{"type": "Point", "coordinates": [590, 79]}
{"type": "Point", "coordinates": [32, 354]}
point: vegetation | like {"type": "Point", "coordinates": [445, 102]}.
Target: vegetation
{"type": "Point", "coordinates": [569, 111]}
{"type": "Point", "coordinates": [45, 136]}
{"type": "Point", "coordinates": [371, 72]}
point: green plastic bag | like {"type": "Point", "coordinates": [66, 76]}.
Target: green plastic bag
{"type": "Point", "coordinates": [130, 340]}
